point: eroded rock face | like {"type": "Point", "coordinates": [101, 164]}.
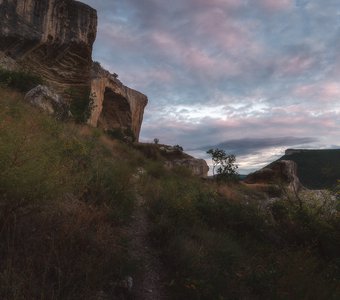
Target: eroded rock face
{"type": "Point", "coordinates": [52, 38]}
{"type": "Point", "coordinates": [198, 167]}
{"type": "Point", "coordinates": [282, 172]}
{"type": "Point", "coordinates": [115, 105]}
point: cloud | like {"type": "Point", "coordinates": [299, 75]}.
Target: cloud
{"type": "Point", "coordinates": [277, 5]}
{"type": "Point", "coordinates": [251, 145]}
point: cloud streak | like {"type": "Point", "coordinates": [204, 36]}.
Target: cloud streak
{"type": "Point", "coordinates": [253, 145]}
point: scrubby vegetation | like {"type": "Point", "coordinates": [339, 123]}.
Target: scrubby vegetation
{"type": "Point", "coordinates": [81, 103]}
{"type": "Point", "coordinates": [124, 135]}
{"type": "Point", "coordinates": [63, 202]}
{"type": "Point", "coordinates": [231, 244]}
{"type": "Point", "coordinates": [19, 80]}
{"type": "Point", "coordinates": [67, 194]}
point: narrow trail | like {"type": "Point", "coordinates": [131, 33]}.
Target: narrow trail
{"type": "Point", "coordinates": [150, 283]}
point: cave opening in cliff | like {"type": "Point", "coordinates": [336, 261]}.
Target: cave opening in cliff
{"type": "Point", "coordinates": [116, 112]}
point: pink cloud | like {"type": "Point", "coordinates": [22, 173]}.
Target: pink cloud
{"type": "Point", "coordinates": [276, 5]}
{"type": "Point", "coordinates": [192, 56]}
{"type": "Point", "coordinates": [218, 30]}
{"type": "Point", "coordinates": [295, 65]}
{"type": "Point", "coordinates": [325, 91]}
{"type": "Point", "coordinates": [141, 78]}
{"type": "Point", "coordinates": [168, 44]}
{"type": "Point", "coordinates": [231, 4]}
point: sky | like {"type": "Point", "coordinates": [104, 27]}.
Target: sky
{"type": "Point", "coordinates": [253, 77]}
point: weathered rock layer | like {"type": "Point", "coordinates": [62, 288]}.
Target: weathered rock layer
{"type": "Point", "coordinates": [53, 38]}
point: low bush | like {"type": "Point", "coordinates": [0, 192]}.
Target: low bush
{"type": "Point", "coordinates": [81, 104]}
{"type": "Point", "coordinates": [19, 80]}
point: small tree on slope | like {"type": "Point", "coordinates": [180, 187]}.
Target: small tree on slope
{"type": "Point", "coordinates": [224, 165]}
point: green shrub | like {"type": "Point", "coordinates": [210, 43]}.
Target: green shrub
{"type": "Point", "coordinates": [19, 80]}
{"type": "Point", "coordinates": [82, 104]}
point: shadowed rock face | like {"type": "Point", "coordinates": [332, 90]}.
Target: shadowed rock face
{"type": "Point", "coordinates": [53, 38]}
{"type": "Point", "coordinates": [279, 172]}
{"type": "Point", "coordinates": [116, 111]}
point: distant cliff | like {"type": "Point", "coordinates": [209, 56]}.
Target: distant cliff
{"type": "Point", "coordinates": [314, 169]}
{"type": "Point", "coordinates": [317, 169]}
{"type": "Point", "coordinates": [54, 39]}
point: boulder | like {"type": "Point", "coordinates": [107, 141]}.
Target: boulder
{"type": "Point", "coordinates": [281, 172]}
{"type": "Point", "coordinates": [198, 167]}
{"type": "Point", "coordinates": [48, 101]}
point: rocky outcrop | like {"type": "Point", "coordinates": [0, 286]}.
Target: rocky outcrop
{"type": "Point", "coordinates": [52, 38]}
{"type": "Point", "coordinates": [115, 105]}
{"type": "Point", "coordinates": [48, 101]}
{"type": "Point", "coordinates": [198, 167]}
{"type": "Point", "coordinates": [281, 172]}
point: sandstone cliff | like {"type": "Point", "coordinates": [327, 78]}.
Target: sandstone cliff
{"type": "Point", "coordinates": [54, 39]}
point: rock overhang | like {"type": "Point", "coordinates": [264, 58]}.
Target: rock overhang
{"type": "Point", "coordinates": [106, 88]}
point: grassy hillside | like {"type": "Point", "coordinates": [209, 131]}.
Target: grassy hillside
{"type": "Point", "coordinates": [317, 169]}
{"type": "Point", "coordinates": [64, 199]}
{"type": "Point", "coordinates": [68, 197]}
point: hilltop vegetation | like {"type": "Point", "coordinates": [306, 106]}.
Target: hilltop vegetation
{"type": "Point", "coordinates": [68, 194]}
